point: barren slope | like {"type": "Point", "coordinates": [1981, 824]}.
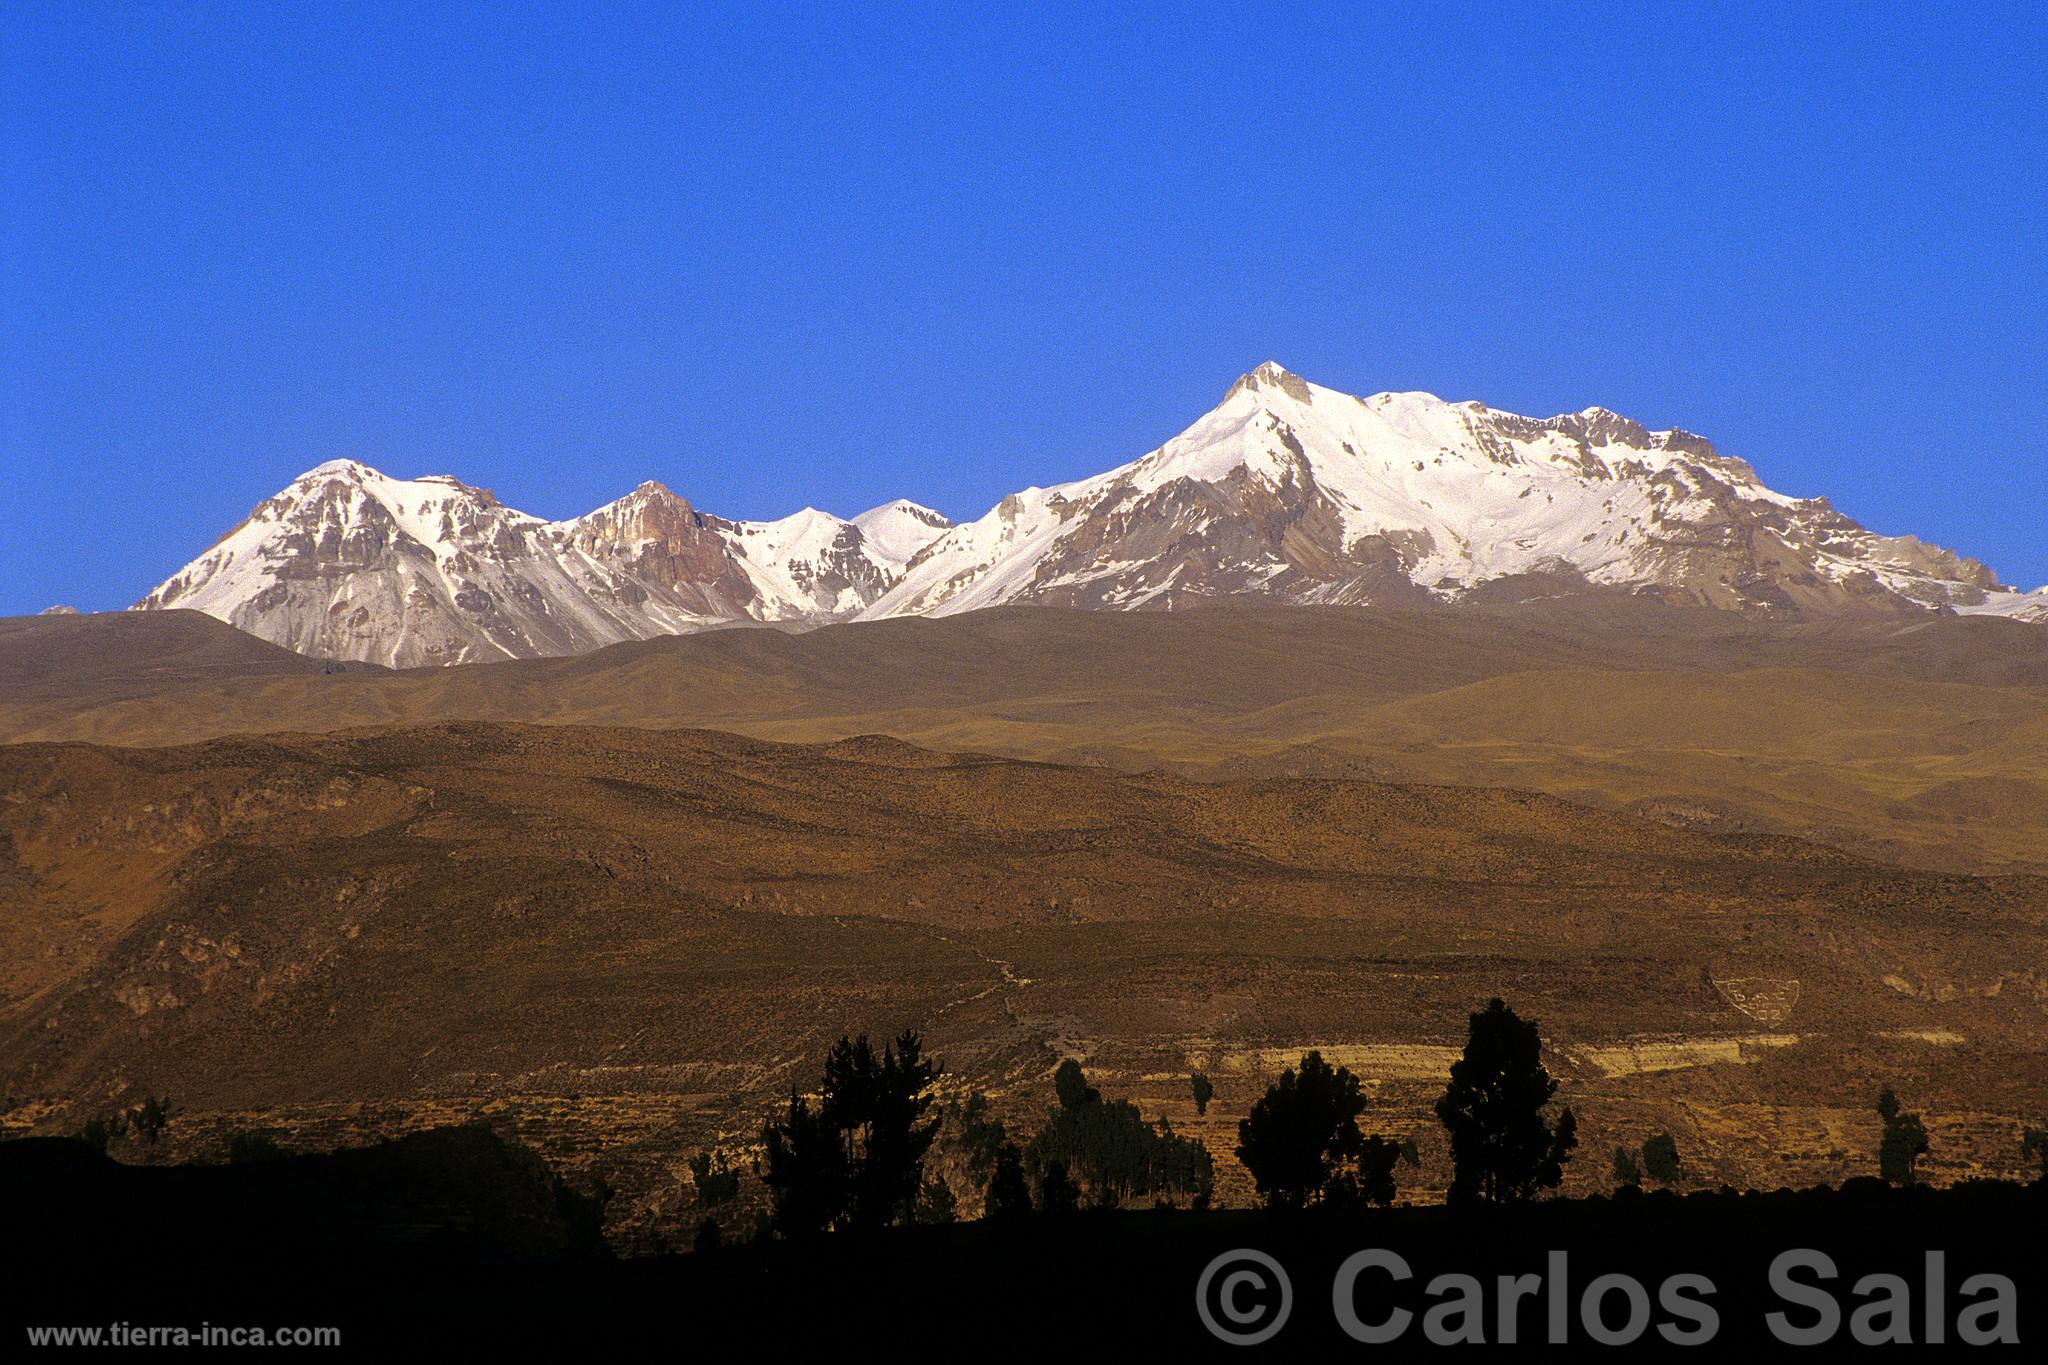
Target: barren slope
{"type": "Point", "coordinates": [624, 943]}
{"type": "Point", "coordinates": [1922, 741]}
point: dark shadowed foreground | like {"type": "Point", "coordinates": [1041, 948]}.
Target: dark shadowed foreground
{"type": "Point", "coordinates": [452, 1242]}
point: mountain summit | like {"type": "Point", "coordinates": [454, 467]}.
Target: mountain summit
{"type": "Point", "coordinates": [1292, 491]}
{"type": "Point", "coordinates": [349, 563]}
{"type": "Point", "coordinates": [1286, 491]}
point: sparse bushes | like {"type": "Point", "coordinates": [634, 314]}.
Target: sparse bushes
{"type": "Point", "coordinates": [1657, 1158]}
{"type": "Point", "coordinates": [1502, 1146]}
{"type": "Point", "coordinates": [1904, 1141]}
{"type": "Point", "coordinates": [149, 1119]}
{"type": "Point", "coordinates": [100, 1131]}
{"type": "Point", "coordinates": [143, 1123]}
{"type": "Point", "coordinates": [2034, 1148]}
{"type": "Point", "coordinates": [716, 1178]}
{"type": "Point", "coordinates": [1660, 1159]}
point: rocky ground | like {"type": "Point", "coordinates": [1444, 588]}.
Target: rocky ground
{"type": "Point", "coordinates": [620, 946]}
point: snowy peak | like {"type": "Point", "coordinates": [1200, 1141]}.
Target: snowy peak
{"type": "Point", "coordinates": [349, 562]}
{"type": "Point", "coordinates": [896, 531]}
{"type": "Point", "coordinates": [1285, 491]}
{"type": "Point", "coordinates": [1298, 493]}
{"type": "Point", "coordinates": [1272, 377]}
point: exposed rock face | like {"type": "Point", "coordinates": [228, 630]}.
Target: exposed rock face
{"type": "Point", "coordinates": [348, 563]}
{"type": "Point", "coordinates": [1302, 494]}
{"type": "Point", "coordinates": [1286, 491]}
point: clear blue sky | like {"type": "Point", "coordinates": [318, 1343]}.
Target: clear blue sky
{"type": "Point", "coordinates": [836, 255]}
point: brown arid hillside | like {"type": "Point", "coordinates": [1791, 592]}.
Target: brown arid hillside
{"type": "Point", "coordinates": [1921, 741]}
{"type": "Point", "coordinates": [621, 944]}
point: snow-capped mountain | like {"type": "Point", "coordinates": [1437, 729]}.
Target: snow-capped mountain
{"type": "Point", "coordinates": [1299, 493]}
{"type": "Point", "coordinates": [1286, 491]}
{"type": "Point", "coordinates": [350, 563]}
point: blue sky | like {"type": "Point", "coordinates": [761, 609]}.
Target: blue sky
{"type": "Point", "coordinates": [835, 255]}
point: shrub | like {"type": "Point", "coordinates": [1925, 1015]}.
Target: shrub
{"type": "Point", "coordinates": [1660, 1159]}
{"type": "Point", "coordinates": [100, 1131]}
{"type": "Point", "coordinates": [150, 1118]}
{"type": "Point", "coordinates": [717, 1180]}
{"type": "Point", "coordinates": [252, 1148]}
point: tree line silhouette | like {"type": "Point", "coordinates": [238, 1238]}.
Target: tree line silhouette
{"type": "Point", "coordinates": [856, 1154]}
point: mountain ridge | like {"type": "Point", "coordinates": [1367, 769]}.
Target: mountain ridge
{"type": "Point", "coordinates": [1285, 491]}
{"type": "Point", "coordinates": [350, 563]}
{"type": "Point", "coordinates": [1291, 490]}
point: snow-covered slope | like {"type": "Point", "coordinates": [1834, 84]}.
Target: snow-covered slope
{"type": "Point", "coordinates": [350, 563]}
{"type": "Point", "coordinates": [1285, 491]}
{"type": "Point", "coordinates": [896, 531]}
{"type": "Point", "coordinates": [1296, 492]}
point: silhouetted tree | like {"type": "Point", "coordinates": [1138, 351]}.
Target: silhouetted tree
{"type": "Point", "coordinates": [1628, 1172]}
{"type": "Point", "coordinates": [709, 1236]}
{"type": "Point", "coordinates": [1107, 1149]}
{"type": "Point", "coordinates": [877, 1105]}
{"type": "Point", "coordinates": [1071, 1085]}
{"type": "Point", "coordinates": [1502, 1146]}
{"type": "Point", "coordinates": [1057, 1193]}
{"type": "Point", "coordinates": [1204, 1092]}
{"type": "Point", "coordinates": [806, 1171]}
{"type": "Point", "coordinates": [1009, 1196]}
{"type": "Point", "coordinates": [1375, 1179]}
{"type": "Point", "coordinates": [935, 1203]}
{"type": "Point", "coordinates": [716, 1179]}
{"type": "Point", "coordinates": [1660, 1158]}
{"type": "Point", "coordinates": [1904, 1141]}
{"type": "Point", "coordinates": [977, 1134]}
{"type": "Point", "coordinates": [1302, 1132]}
